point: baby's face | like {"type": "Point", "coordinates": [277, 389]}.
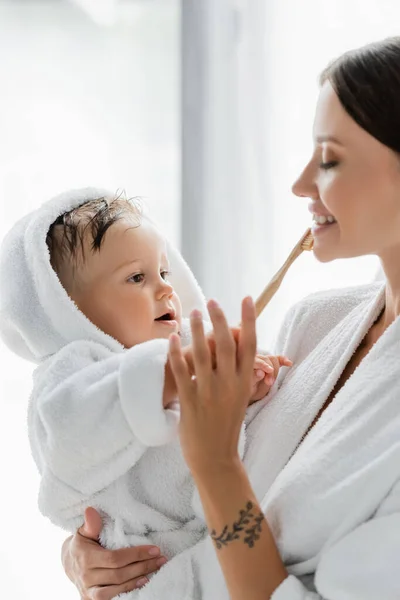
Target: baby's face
{"type": "Point", "coordinates": [124, 288]}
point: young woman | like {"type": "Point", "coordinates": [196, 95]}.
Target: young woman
{"type": "Point", "coordinates": [316, 514]}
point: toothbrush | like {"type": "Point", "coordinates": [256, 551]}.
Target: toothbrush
{"type": "Point", "coordinates": [305, 243]}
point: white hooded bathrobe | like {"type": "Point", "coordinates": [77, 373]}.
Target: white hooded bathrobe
{"type": "Point", "coordinates": [98, 431]}
{"type": "Point", "coordinates": [332, 501]}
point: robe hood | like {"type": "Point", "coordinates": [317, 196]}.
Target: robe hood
{"type": "Point", "coordinates": [37, 317]}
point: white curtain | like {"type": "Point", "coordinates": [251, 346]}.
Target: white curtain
{"type": "Point", "coordinates": [226, 218]}
{"type": "Point", "coordinates": [80, 104]}
{"type": "Point", "coordinates": [250, 71]}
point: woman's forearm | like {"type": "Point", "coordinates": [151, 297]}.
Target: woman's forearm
{"type": "Point", "coordinates": [245, 547]}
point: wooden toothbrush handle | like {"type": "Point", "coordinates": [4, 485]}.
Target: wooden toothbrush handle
{"type": "Point", "coordinates": [276, 281]}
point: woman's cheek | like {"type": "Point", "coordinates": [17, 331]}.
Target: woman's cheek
{"type": "Point", "coordinates": [332, 191]}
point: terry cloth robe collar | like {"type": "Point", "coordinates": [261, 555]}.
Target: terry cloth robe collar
{"type": "Point", "coordinates": [279, 428]}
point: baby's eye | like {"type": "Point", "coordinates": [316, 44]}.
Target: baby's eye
{"type": "Point", "coordinates": [137, 278]}
{"type": "Point", "coordinates": [165, 275]}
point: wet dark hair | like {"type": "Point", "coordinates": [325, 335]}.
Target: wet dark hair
{"type": "Point", "coordinates": [66, 235]}
{"type": "Point", "coordinates": [367, 82]}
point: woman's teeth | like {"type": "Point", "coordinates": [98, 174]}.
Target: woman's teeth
{"type": "Point", "coordinates": [321, 220]}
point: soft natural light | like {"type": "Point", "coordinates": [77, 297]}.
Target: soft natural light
{"type": "Point", "coordinates": [95, 101]}
{"type": "Point", "coordinates": [81, 104]}
{"type": "Point", "coordinates": [304, 37]}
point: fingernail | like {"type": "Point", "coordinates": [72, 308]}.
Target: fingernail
{"type": "Point", "coordinates": [161, 561]}
{"type": "Point", "coordinates": [213, 304]}
{"type": "Point", "coordinates": [196, 314]}
{"type": "Point", "coordinates": [154, 551]}
{"type": "Point", "coordinates": [174, 341]}
{"type": "Point", "coordinates": [141, 582]}
{"type": "Point", "coordinates": [249, 302]}
{"type": "Point", "coordinates": [259, 373]}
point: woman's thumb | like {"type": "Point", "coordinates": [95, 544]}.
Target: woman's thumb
{"type": "Point", "coordinates": [92, 526]}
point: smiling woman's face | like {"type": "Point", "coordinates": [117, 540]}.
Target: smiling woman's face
{"type": "Point", "coordinates": [353, 178]}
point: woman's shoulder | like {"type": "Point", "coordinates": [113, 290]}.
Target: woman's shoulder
{"type": "Point", "coordinates": [310, 319]}
{"type": "Point", "coordinates": [340, 301]}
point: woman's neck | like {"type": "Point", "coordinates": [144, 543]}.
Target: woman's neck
{"type": "Point", "coordinates": [392, 305]}
{"type": "Point", "coordinates": [392, 293]}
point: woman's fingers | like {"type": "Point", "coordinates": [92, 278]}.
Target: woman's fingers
{"type": "Point", "coordinates": [112, 591]}
{"type": "Point", "coordinates": [179, 367]}
{"type": "Point", "coordinates": [247, 341]}
{"type": "Point", "coordinates": [118, 559]}
{"type": "Point", "coordinates": [123, 575]}
{"type": "Point", "coordinates": [101, 574]}
{"type": "Point", "coordinates": [201, 348]}
{"type": "Point", "coordinates": [93, 524]}
{"type": "Point", "coordinates": [225, 346]}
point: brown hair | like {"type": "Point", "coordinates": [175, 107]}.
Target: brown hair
{"type": "Point", "coordinates": [66, 235]}
{"type": "Point", "coordinates": [367, 82]}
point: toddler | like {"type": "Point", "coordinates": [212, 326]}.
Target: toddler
{"type": "Point", "coordinates": [88, 294]}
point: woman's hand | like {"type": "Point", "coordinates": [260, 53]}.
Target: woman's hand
{"type": "Point", "coordinates": [266, 370]}
{"type": "Point", "coordinates": [213, 405]}
{"type": "Point", "coordinates": [101, 574]}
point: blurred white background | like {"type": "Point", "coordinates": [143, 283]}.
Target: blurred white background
{"type": "Point", "coordinates": [92, 92]}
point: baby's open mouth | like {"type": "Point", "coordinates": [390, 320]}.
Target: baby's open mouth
{"type": "Point", "coordinates": [169, 315]}
{"type": "Point", "coordinates": [166, 317]}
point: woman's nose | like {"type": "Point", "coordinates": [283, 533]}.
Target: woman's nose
{"type": "Point", "coordinates": [304, 186]}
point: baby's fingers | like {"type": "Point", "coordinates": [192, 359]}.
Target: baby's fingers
{"type": "Point", "coordinates": [284, 361]}
{"type": "Point", "coordinates": [259, 374]}
{"type": "Point", "coordinates": [263, 364]}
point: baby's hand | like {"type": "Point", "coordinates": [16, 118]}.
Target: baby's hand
{"type": "Point", "coordinates": [266, 369]}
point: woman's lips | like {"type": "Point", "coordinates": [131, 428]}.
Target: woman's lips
{"type": "Point", "coordinates": [317, 229]}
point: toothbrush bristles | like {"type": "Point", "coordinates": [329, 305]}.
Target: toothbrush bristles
{"type": "Point", "coordinates": [308, 241]}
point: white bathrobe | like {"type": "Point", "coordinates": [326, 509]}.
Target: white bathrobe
{"type": "Point", "coordinates": [333, 505]}
{"type": "Point", "coordinates": [98, 431]}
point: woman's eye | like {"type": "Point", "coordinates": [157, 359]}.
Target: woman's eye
{"type": "Point", "coordinates": [138, 278]}
{"type": "Point", "coordinates": [165, 275]}
{"type": "Point", "coordinates": [325, 166]}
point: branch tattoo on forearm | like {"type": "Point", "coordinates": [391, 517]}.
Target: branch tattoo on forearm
{"type": "Point", "coordinates": [247, 526]}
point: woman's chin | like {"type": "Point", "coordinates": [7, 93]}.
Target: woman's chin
{"type": "Point", "coordinates": [329, 246]}
{"type": "Point", "coordinates": [325, 255]}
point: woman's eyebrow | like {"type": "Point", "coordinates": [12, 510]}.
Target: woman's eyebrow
{"type": "Point", "coordinates": [327, 138]}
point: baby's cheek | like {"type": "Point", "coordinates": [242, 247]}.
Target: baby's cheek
{"type": "Point", "coordinates": [178, 307]}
